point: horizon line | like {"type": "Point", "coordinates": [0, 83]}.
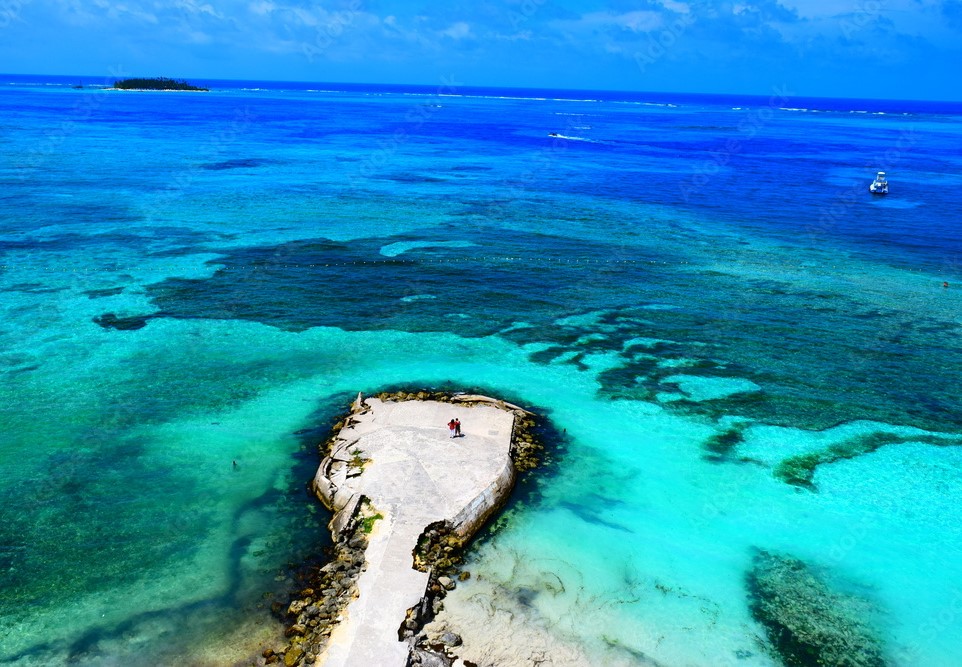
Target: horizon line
{"type": "Point", "coordinates": [495, 87]}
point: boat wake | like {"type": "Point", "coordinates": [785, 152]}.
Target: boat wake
{"type": "Point", "coordinates": [555, 135]}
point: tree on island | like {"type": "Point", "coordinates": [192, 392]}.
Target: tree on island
{"type": "Point", "coordinates": [157, 83]}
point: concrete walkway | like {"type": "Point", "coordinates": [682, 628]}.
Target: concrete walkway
{"type": "Point", "coordinates": [416, 475]}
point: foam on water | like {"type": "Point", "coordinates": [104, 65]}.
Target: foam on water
{"type": "Point", "coordinates": [395, 249]}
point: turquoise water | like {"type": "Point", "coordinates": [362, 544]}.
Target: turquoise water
{"type": "Point", "coordinates": [698, 292]}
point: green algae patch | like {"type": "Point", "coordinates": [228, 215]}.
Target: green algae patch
{"type": "Point", "coordinates": [807, 622]}
{"type": "Point", "coordinates": [367, 523]}
{"type": "Point", "coordinates": [357, 462]}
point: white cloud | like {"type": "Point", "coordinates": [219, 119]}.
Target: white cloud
{"type": "Point", "coordinates": [117, 10]}
{"type": "Point", "coordinates": [262, 7]}
{"type": "Point", "coordinates": [640, 21]}
{"type": "Point", "coordinates": [198, 37]}
{"type": "Point", "coordinates": [677, 7]}
{"type": "Point", "coordinates": [522, 36]}
{"type": "Point", "coordinates": [193, 7]}
{"type": "Point", "coordinates": [832, 9]}
{"type": "Point", "coordinates": [882, 22]}
{"type": "Point", "coordinates": [458, 30]}
{"type": "Point", "coordinates": [636, 21]}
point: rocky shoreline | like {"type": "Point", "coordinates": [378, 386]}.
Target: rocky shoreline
{"type": "Point", "coordinates": [315, 610]}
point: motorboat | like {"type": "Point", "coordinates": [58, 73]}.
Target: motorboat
{"type": "Point", "coordinates": [880, 186]}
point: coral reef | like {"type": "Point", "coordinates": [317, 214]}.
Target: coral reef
{"type": "Point", "coordinates": [809, 623]}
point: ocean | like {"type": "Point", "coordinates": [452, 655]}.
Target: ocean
{"type": "Point", "coordinates": [741, 353]}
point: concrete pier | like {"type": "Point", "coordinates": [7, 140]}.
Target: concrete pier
{"type": "Point", "coordinates": [399, 457]}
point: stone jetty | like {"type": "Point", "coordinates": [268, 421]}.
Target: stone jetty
{"type": "Point", "coordinates": [405, 496]}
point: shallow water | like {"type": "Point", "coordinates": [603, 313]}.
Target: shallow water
{"type": "Point", "coordinates": [190, 282]}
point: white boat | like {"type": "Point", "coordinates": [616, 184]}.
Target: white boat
{"type": "Point", "coordinates": [879, 186]}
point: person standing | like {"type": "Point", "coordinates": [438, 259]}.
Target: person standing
{"type": "Point", "coordinates": [452, 427]}
{"type": "Point", "coordinates": [457, 428]}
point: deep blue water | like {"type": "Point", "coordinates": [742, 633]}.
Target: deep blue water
{"type": "Point", "coordinates": [191, 279]}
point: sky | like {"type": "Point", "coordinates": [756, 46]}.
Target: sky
{"type": "Point", "coordinates": [893, 49]}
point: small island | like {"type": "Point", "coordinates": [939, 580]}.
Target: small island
{"type": "Point", "coordinates": [156, 83]}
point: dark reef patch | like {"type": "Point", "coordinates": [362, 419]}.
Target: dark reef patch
{"type": "Point", "coordinates": [815, 372]}
{"type": "Point", "coordinates": [816, 367]}
{"type": "Point", "coordinates": [800, 470]}
{"type": "Point", "coordinates": [546, 356]}
{"type": "Point", "coordinates": [470, 167]}
{"type": "Point", "coordinates": [112, 321]}
{"type": "Point", "coordinates": [147, 240]}
{"type": "Point", "coordinates": [720, 447]}
{"type": "Point", "coordinates": [236, 163]}
{"type": "Point", "coordinates": [33, 288]}
{"type": "Point", "coordinates": [304, 284]}
{"type": "Point", "coordinates": [101, 293]}
{"type": "Point", "coordinates": [413, 178]}
{"type": "Point", "coordinates": [808, 622]}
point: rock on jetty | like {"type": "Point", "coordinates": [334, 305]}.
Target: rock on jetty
{"type": "Point", "coordinates": [405, 496]}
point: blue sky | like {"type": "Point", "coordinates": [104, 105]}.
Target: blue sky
{"type": "Point", "coordinates": [845, 48]}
